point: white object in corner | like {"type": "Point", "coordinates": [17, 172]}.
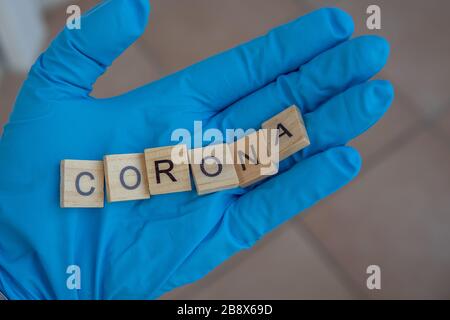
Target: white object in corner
{"type": "Point", "coordinates": [22, 33]}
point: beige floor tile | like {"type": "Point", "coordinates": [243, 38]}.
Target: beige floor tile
{"type": "Point", "coordinates": [420, 46]}
{"type": "Point", "coordinates": [184, 32]}
{"type": "Point", "coordinates": [396, 216]}
{"type": "Point", "coordinates": [285, 265]}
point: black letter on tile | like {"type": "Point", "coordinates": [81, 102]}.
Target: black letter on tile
{"type": "Point", "coordinates": [166, 171]}
{"type": "Point", "coordinates": [77, 184]}
{"type": "Point", "coordinates": [283, 130]}
{"type": "Point", "coordinates": [138, 178]}
{"type": "Point", "coordinates": [219, 167]}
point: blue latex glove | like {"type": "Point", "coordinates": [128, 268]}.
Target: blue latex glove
{"type": "Point", "coordinates": [141, 249]}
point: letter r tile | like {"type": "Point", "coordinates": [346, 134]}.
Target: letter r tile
{"type": "Point", "coordinates": [168, 169]}
{"type": "Point", "coordinates": [126, 177]}
{"type": "Point", "coordinates": [82, 184]}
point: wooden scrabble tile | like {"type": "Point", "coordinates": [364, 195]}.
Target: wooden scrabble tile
{"type": "Point", "coordinates": [251, 158]}
{"type": "Point", "coordinates": [292, 132]}
{"type": "Point", "coordinates": [213, 169]}
{"type": "Point", "coordinates": [81, 184]}
{"type": "Point", "coordinates": [126, 177]}
{"type": "Point", "coordinates": [168, 169]}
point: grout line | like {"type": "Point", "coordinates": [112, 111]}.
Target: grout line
{"type": "Point", "coordinates": [411, 105]}
{"type": "Point", "coordinates": [423, 124]}
{"type": "Point", "coordinates": [372, 162]}
{"type": "Point", "coordinates": [436, 130]}
{"type": "Point", "coordinates": [376, 158]}
{"type": "Point", "coordinates": [419, 125]}
{"type": "Point", "coordinates": [385, 152]}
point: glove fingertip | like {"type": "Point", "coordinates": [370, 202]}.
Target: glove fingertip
{"type": "Point", "coordinates": [374, 51]}
{"type": "Point", "coordinates": [135, 17]}
{"type": "Point", "coordinates": [383, 92]}
{"type": "Point", "coordinates": [340, 22]}
{"type": "Point", "coordinates": [143, 9]}
{"type": "Point", "coordinates": [347, 160]}
{"type": "Point", "coordinates": [378, 96]}
{"type": "Point", "coordinates": [382, 48]}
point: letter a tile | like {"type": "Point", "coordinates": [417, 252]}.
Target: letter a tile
{"type": "Point", "coordinates": [292, 132]}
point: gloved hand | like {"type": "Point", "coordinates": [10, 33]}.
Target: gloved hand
{"type": "Point", "coordinates": [141, 249]}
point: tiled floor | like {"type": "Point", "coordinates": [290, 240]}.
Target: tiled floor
{"type": "Point", "coordinates": [420, 47]}
{"type": "Point", "coordinates": [395, 215]}
{"type": "Point", "coordinates": [286, 265]}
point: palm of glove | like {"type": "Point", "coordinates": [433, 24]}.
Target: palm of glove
{"type": "Point", "coordinates": [165, 228]}
{"type": "Point", "coordinates": [141, 249]}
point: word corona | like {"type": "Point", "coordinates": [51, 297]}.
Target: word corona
{"type": "Point", "coordinates": [167, 169]}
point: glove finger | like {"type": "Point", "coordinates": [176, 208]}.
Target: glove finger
{"type": "Point", "coordinates": [330, 73]}
{"type": "Point", "coordinates": [346, 116]}
{"type": "Point", "coordinates": [76, 58]}
{"type": "Point", "coordinates": [221, 80]}
{"type": "Point", "coordinates": [266, 207]}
